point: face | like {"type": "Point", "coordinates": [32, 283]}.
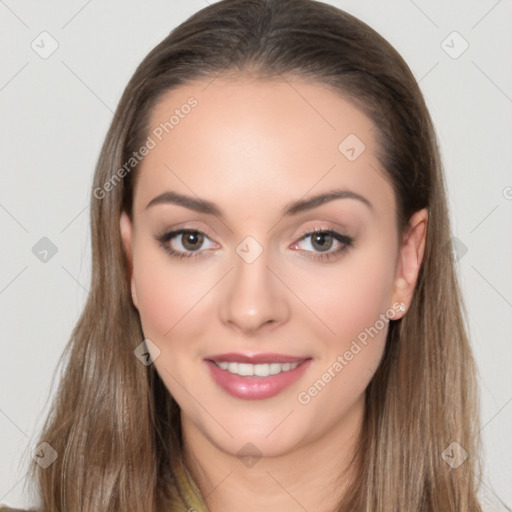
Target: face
{"type": "Point", "coordinates": [264, 227]}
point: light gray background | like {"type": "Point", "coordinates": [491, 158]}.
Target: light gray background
{"type": "Point", "coordinates": [55, 113]}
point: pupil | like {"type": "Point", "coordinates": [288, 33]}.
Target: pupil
{"type": "Point", "coordinates": [321, 237]}
{"type": "Point", "coordinates": [192, 241]}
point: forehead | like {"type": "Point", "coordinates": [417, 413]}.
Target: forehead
{"type": "Point", "coordinates": [258, 142]}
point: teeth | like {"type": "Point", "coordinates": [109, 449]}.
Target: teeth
{"type": "Point", "coordinates": [260, 370]}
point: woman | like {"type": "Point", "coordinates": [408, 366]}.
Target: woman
{"type": "Point", "coordinates": [274, 317]}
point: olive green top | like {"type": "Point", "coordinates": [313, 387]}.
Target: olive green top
{"type": "Point", "coordinates": [193, 500]}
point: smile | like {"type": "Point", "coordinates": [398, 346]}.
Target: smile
{"type": "Point", "coordinates": [255, 381]}
{"type": "Point", "coordinates": [259, 370]}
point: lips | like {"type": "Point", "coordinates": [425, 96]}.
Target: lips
{"type": "Point", "coordinates": [256, 387]}
{"type": "Point", "coordinates": [233, 357]}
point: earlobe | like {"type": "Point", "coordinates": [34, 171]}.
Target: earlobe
{"type": "Point", "coordinates": [411, 254]}
{"type": "Point", "coordinates": [125, 228]}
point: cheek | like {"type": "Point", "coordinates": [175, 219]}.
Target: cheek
{"type": "Point", "coordinates": [166, 298]}
{"type": "Point", "coordinates": [352, 296]}
{"type": "Point", "coordinates": [353, 303]}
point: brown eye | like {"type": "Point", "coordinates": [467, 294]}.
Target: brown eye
{"type": "Point", "coordinates": [324, 244]}
{"type": "Point", "coordinates": [192, 240]}
{"type": "Point", "coordinates": [186, 243]}
{"type": "Point", "coordinates": [322, 241]}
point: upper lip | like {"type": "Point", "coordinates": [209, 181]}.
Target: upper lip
{"type": "Point", "coordinates": [233, 357]}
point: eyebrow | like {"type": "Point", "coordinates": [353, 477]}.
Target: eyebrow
{"type": "Point", "coordinates": [293, 208]}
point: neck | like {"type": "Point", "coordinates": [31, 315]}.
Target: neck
{"type": "Point", "coordinates": [312, 477]}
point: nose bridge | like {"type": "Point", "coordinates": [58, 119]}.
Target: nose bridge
{"type": "Point", "coordinates": [254, 296]}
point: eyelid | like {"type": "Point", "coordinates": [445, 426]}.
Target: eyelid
{"type": "Point", "coordinates": [338, 233]}
{"type": "Point", "coordinates": [187, 227]}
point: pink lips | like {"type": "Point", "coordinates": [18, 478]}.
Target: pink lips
{"type": "Point", "coordinates": [253, 387]}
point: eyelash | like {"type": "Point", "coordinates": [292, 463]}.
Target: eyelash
{"type": "Point", "coordinates": [347, 242]}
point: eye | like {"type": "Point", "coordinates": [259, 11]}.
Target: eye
{"type": "Point", "coordinates": [187, 243]}
{"type": "Point", "coordinates": [321, 241]}
{"type": "Point", "coordinates": [183, 243]}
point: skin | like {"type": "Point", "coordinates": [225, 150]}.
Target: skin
{"type": "Point", "coordinates": [251, 147]}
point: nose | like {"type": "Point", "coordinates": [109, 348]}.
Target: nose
{"type": "Point", "coordinates": [254, 298]}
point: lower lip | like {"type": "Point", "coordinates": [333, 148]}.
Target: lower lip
{"type": "Point", "coordinates": [255, 388]}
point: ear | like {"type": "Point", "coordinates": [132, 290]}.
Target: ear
{"type": "Point", "coordinates": [126, 230]}
{"type": "Point", "coordinates": [410, 257]}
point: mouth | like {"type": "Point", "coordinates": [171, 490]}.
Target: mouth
{"type": "Point", "coordinates": [257, 370]}
{"type": "Point", "coordinates": [257, 376]}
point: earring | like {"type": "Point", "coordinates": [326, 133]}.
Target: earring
{"type": "Point", "coordinates": [402, 306]}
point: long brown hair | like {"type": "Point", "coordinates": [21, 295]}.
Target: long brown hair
{"type": "Point", "coordinates": [113, 423]}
